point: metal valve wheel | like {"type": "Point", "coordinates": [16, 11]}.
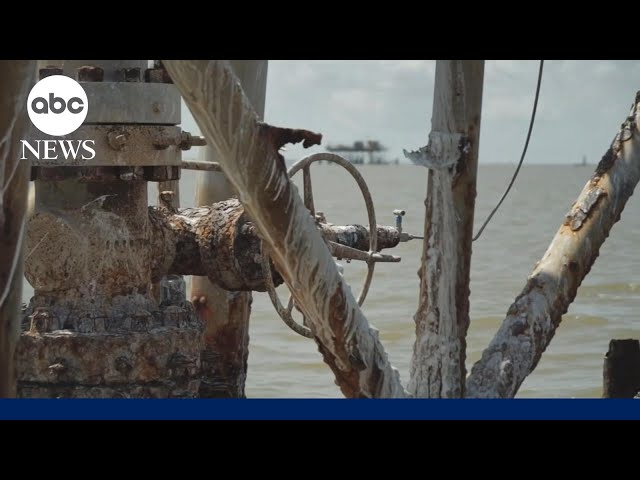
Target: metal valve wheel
{"type": "Point", "coordinates": [340, 251]}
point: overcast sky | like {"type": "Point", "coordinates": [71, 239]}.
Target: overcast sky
{"type": "Point", "coordinates": [582, 104]}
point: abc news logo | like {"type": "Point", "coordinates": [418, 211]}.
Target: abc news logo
{"type": "Point", "coordinates": [40, 105]}
{"type": "Point", "coordinates": [57, 106]}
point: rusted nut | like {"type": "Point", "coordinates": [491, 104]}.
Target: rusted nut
{"type": "Point", "coordinates": [49, 71]}
{"type": "Point", "coordinates": [117, 139]}
{"type": "Point", "coordinates": [166, 199]}
{"type": "Point", "coordinates": [90, 74]}
{"type": "Point", "coordinates": [58, 367]}
{"type": "Point", "coordinates": [40, 321]}
{"type": "Point", "coordinates": [123, 365]}
{"type": "Point", "coordinates": [187, 141]}
{"type": "Point", "coordinates": [163, 140]}
{"type": "Point", "coordinates": [128, 75]}
{"type": "Point", "coordinates": [184, 141]}
{"type": "Point", "coordinates": [157, 75]}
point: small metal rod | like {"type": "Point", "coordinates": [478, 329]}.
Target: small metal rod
{"type": "Point", "coordinates": [202, 166]}
{"type": "Point", "coordinates": [197, 141]}
{"type": "Point", "coordinates": [343, 251]}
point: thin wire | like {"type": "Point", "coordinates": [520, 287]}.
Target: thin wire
{"type": "Point", "coordinates": [524, 152]}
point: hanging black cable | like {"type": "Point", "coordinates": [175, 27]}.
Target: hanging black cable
{"type": "Point", "coordinates": [524, 152]}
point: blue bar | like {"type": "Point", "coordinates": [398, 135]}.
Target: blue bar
{"type": "Point", "coordinates": [316, 409]}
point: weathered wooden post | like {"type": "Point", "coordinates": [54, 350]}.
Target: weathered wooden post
{"type": "Point", "coordinates": [621, 372]}
{"type": "Point", "coordinates": [16, 79]}
{"type": "Point", "coordinates": [224, 313]}
{"type": "Point", "coordinates": [438, 362]}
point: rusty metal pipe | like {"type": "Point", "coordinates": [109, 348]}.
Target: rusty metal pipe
{"type": "Point", "coordinates": [222, 243]}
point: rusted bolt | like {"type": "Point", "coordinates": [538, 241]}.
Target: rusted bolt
{"type": "Point", "coordinates": [117, 139]}
{"type": "Point", "coordinates": [162, 141]}
{"type": "Point", "coordinates": [198, 141]}
{"type": "Point", "coordinates": [90, 74]}
{"type": "Point", "coordinates": [58, 367]}
{"type": "Point", "coordinates": [187, 141]}
{"type": "Point", "coordinates": [49, 71]}
{"type": "Point", "coordinates": [157, 75]}
{"type": "Point", "coordinates": [128, 75]}
{"type": "Point", "coordinates": [123, 365]}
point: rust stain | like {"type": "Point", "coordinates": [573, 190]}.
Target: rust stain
{"type": "Point", "coordinates": [581, 212]}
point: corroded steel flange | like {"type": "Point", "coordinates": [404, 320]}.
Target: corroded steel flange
{"type": "Point", "coordinates": [114, 145]}
{"type": "Point", "coordinates": [125, 348]}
